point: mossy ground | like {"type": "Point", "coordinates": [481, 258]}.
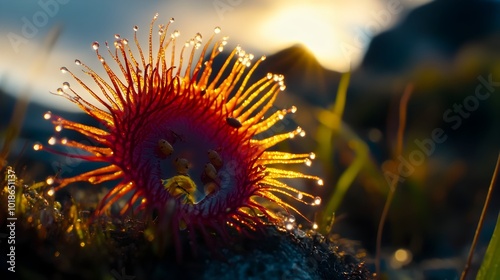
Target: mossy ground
{"type": "Point", "coordinates": [56, 239]}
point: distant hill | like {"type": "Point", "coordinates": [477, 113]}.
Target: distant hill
{"type": "Point", "coordinates": [440, 28]}
{"type": "Point", "coordinates": [304, 75]}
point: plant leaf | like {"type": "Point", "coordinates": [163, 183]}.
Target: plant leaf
{"type": "Point", "coordinates": [490, 268]}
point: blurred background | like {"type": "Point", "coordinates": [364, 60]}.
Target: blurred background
{"type": "Point", "coordinates": [448, 51]}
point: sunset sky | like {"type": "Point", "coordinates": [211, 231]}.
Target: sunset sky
{"type": "Point", "coordinates": [336, 32]}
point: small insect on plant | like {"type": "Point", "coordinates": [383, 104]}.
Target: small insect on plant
{"type": "Point", "coordinates": [187, 135]}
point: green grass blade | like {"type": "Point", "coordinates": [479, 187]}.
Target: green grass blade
{"type": "Point", "coordinates": [490, 268]}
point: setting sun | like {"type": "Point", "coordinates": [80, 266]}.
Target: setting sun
{"type": "Point", "coordinates": [303, 24]}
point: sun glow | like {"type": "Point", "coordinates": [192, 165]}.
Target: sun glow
{"type": "Point", "coordinates": [338, 33]}
{"type": "Point", "coordinates": [303, 24]}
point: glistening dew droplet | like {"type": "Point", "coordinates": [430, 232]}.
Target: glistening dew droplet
{"type": "Point", "coordinates": [317, 200]}
{"type": "Point", "coordinates": [50, 181]}
{"type": "Point", "coordinates": [37, 146]}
